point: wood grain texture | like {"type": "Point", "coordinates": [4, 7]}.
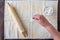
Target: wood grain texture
{"type": "Point", "coordinates": [1, 19]}
{"type": "Point", "coordinates": [59, 15]}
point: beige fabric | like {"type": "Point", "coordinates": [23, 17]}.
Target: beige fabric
{"type": "Point", "coordinates": [26, 9]}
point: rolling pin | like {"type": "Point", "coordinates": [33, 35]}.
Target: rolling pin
{"type": "Point", "coordinates": [17, 20]}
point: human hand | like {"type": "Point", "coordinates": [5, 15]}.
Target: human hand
{"type": "Point", "coordinates": [41, 20]}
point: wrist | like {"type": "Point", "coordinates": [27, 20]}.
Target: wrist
{"type": "Point", "coordinates": [48, 26]}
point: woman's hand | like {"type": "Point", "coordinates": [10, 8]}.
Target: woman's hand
{"type": "Point", "coordinates": [41, 20]}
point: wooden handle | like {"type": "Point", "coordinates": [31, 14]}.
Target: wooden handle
{"type": "Point", "coordinates": [17, 20]}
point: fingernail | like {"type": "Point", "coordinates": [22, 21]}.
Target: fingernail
{"type": "Point", "coordinates": [33, 18]}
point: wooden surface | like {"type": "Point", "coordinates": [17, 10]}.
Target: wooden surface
{"type": "Point", "coordinates": [2, 19]}
{"type": "Point", "coordinates": [59, 15]}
